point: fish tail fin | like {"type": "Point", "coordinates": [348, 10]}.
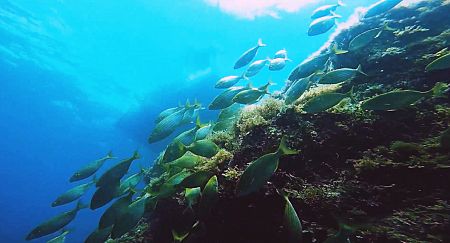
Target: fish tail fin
{"type": "Point", "coordinates": [335, 15]}
{"type": "Point", "coordinates": [81, 205]}
{"type": "Point", "coordinates": [283, 148]}
{"type": "Point", "coordinates": [260, 43]}
{"type": "Point", "coordinates": [337, 51]}
{"type": "Point", "coordinates": [136, 155]}
{"type": "Point", "coordinates": [359, 69]}
{"type": "Point", "coordinates": [386, 27]}
{"type": "Point", "coordinates": [94, 179]}
{"type": "Point", "coordinates": [244, 77]}
{"type": "Point", "coordinates": [265, 88]}
{"type": "Point", "coordinates": [340, 3]}
{"type": "Point", "coordinates": [179, 237]}
{"type": "Point", "coordinates": [110, 155]}
{"type": "Point", "coordinates": [439, 89]}
{"type": "Point", "coordinates": [198, 123]}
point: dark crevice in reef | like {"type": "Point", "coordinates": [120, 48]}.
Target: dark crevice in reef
{"type": "Point", "coordinates": [384, 173]}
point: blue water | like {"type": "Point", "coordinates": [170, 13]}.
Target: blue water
{"type": "Point", "coordinates": [80, 78]}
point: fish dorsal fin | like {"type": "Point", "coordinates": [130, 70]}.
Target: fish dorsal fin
{"type": "Point", "coordinates": [260, 43]}
{"type": "Point", "coordinates": [334, 15]}
{"type": "Point", "coordinates": [249, 85]}
{"type": "Point", "coordinates": [198, 123]}
{"type": "Point", "coordinates": [359, 70]}
{"type": "Point", "coordinates": [340, 3]}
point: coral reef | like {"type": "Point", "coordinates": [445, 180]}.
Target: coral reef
{"type": "Point", "coordinates": [384, 173]}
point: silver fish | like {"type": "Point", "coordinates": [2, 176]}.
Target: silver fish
{"type": "Point", "coordinates": [56, 223]}
{"type": "Point", "coordinates": [280, 54]}
{"type": "Point", "coordinates": [366, 37]}
{"type": "Point", "coordinates": [277, 64]}
{"type": "Point", "coordinates": [248, 56]}
{"type": "Point", "coordinates": [441, 63]}
{"type": "Point", "coordinates": [116, 172]}
{"type": "Point", "coordinates": [228, 81]}
{"type": "Point", "coordinates": [252, 95]}
{"type": "Point", "coordinates": [167, 112]}
{"type": "Point", "coordinates": [167, 126]}
{"type": "Point", "coordinates": [326, 10]}
{"type": "Point", "coordinates": [322, 25]}
{"type": "Point", "coordinates": [341, 75]}
{"type": "Point", "coordinates": [381, 7]}
{"type": "Point", "coordinates": [255, 67]}
{"type": "Point", "coordinates": [90, 168]}
{"type": "Point", "coordinates": [225, 99]}
{"type": "Point", "coordinates": [314, 63]}
{"type": "Point", "coordinates": [73, 194]}
{"type": "Point", "coordinates": [297, 89]}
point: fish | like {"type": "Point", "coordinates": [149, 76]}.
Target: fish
{"type": "Point", "coordinates": [61, 238]}
{"type": "Point", "coordinates": [248, 56]}
{"type": "Point", "coordinates": [174, 150]}
{"type": "Point", "coordinates": [130, 218]}
{"type": "Point", "coordinates": [342, 236]}
{"type": "Point", "coordinates": [399, 99]}
{"type": "Point", "coordinates": [229, 112]}
{"type": "Point", "coordinates": [73, 194]}
{"type": "Point", "coordinates": [367, 37]}
{"type": "Point", "coordinates": [322, 25]}
{"type": "Point", "coordinates": [326, 10]}
{"type": "Point", "coordinates": [99, 235]}
{"type": "Point", "coordinates": [192, 196]}
{"type": "Point", "coordinates": [380, 7]}
{"type": "Point", "coordinates": [292, 222]}
{"type": "Point", "coordinates": [168, 125]}
{"type": "Point", "coordinates": [104, 194]}
{"type": "Point", "coordinates": [297, 89]}
{"type": "Point", "coordinates": [116, 172]}
{"type": "Point", "coordinates": [228, 81]}
{"type": "Point", "coordinates": [205, 148]}
{"type": "Point", "coordinates": [341, 75]}
{"type": "Point", "coordinates": [190, 113]}
{"type": "Point", "coordinates": [314, 63]}
{"type": "Point", "coordinates": [167, 112]}
{"type": "Point", "coordinates": [224, 125]}
{"type": "Point", "coordinates": [277, 63]}
{"type": "Point", "coordinates": [130, 183]}
{"type": "Point", "coordinates": [170, 187]}
{"type": "Point", "coordinates": [280, 54]}
{"type": "Point", "coordinates": [56, 223]}
{"type": "Point", "coordinates": [441, 63]}
{"type": "Point", "coordinates": [188, 161]}
{"type": "Point", "coordinates": [255, 67]}
{"type": "Point", "coordinates": [197, 179]}
{"type": "Point", "coordinates": [188, 137]}
{"type": "Point", "coordinates": [90, 168]}
{"type": "Point", "coordinates": [225, 99]}
{"type": "Point", "coordinates": [209, 195]}
{"type": "Point", "coordinates": [252, 95]}
{"type": "Point", "coordinates": [203, 132]}
{"type": "Point", "coordinates": [179, 237]}
{"type": "Point", "coordinates": [115, 211]}
{"type": "Point", "coordinates": [259, 171]}
{"type": "Point", "coordinates": [325, 101]}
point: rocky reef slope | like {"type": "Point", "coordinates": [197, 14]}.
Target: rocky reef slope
{"type": "Point", "coordinates": [382, 175]}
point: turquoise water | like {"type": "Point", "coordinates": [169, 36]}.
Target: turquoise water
{"type": "Point", "coordinates": [80, 78]}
